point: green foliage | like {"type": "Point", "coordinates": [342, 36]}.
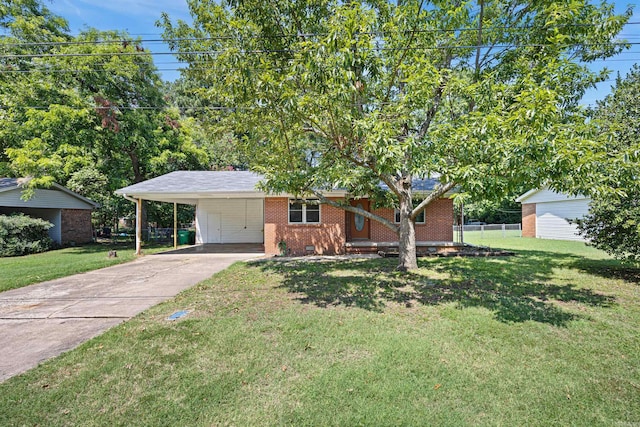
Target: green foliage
{"type": "Point", "coordinates": [332, 94]}
{"type": "Point", "coordinates": [613, 225]}
{"type": "Point", "coordinates": [89, 110]}
{"type": "Point", "coordinates": [223, 147]}
{"type": "Point", "coordinates": [22, 235]}
{"type": "Point", "coordinates": [162, 214]}
{"type": "Point", "coordinates": [614, 220]}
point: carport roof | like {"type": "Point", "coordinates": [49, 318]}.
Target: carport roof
{"type": "Point", "coordinates": [188, 186]}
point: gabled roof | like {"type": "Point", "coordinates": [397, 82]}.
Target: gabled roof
{"type": "Point", "coordinates": [11, 184]}
{"type": "Point", "coordinates": [544, 194]}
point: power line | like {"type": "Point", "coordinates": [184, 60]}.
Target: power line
{"type": "Point", "coordinates": [179, 107]}
{"type": "Point", "coordinates": [269, 51]}
{"type": "Point", "coordinates": [180, 66]}
{"type": "Point", "coordinates": [298, 35]}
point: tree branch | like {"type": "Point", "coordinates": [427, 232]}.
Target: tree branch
{"type": "Point", "coordinates": [435, 194]}
{"type": "Point", "coordinates": [424, 127]}
{"type": "Point", "coordinates": [394, 74]}
{"type": "Point", "coordinates": [346, 207]}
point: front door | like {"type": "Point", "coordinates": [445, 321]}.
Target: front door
{"type": "Point", "coordinates": [359, 224]}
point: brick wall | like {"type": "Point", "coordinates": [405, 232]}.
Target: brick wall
{"type": "Point", "coordinates": [328, 237]}
{"type": "Point", "coordinates": [76, 226]}
{"type": "Point", "coordinates": [528, 220]}
{"type": "Point", "coordinates": [438, 226]}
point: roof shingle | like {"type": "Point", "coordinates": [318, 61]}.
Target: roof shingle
{"type": "Point", "coordinates": [180, 182]}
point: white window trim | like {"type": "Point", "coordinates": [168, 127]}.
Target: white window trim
{"type": "Point", "coordinates": [304, 212]}
{"type": "Point", "coordinates": [396, 214]}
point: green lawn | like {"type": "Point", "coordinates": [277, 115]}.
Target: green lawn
{"type": "Point", "coordinates": [548, 337]}
{"type": "Point", "coordinates": [16, 272]}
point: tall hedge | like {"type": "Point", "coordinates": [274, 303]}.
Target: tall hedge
{"type": "Point", "coordinates": [21, 235]}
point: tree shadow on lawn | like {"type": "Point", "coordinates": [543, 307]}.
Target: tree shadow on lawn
{"type": "Point", "coordinates": [609, 269]}
{"type": "Point", "coordinates": [515, 289]}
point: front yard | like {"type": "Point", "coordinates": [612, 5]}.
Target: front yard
{"type": "Point", "coordinates": [548, 337]}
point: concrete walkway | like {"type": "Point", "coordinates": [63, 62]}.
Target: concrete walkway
{"type": "Point", "coordinates": [44, 320]}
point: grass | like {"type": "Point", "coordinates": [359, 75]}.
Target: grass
{"type": "Point", "coordinates": [27, 270]}
{"type": "Point", "coordinates": [547, 245]}
{"type": "Point", "coordinates": [548, 337]}
{"type": "Point", "coordinates": [490, 234]}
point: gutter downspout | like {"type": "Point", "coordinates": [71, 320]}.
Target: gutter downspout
{"type": "Point", "coordinates": [138, 203]}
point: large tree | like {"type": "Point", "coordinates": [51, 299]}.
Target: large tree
{"type": "Point", "coordinates": [613, 223]}
{"type": "Point", "coordinates": [326, 93]}
{"type": "Point", "coordinates": [86, 109]}
{"type": "Point", "coordinates": [26, 27]}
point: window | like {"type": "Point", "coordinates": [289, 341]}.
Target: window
{"type": "Point", "coordinates": [419, 218]}
{"type": "Point", "coordinates": [304, 211]}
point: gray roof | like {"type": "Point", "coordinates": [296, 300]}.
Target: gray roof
{"type": "Point", "coordinates": [424, 184]}
{"type": "Point", "coordinates": [191, 184]}
{"type": "Point", "coordinates": [8, 183]}
{"type": "Point", "coordinates": [182, 182]}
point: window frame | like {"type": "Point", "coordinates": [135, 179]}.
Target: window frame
{"type": "Point", "coordinates": [396, 217]}
{"type": "Point", "coordinates": [304, 203]}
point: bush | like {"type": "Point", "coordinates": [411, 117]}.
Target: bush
{"type": "Point", "coordinates": [613, 225]}
{"type": "Point", "coordinates": [21, 235]}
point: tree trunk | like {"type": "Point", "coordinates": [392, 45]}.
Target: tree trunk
{"type": "Point", "coordinates": [138, 177]}
{"type": "Point", "coordinates": [407, 259]}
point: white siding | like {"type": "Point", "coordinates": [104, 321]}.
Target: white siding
{"type": "Point", "coordinates": [239, 221]}
{"type": "Point", "coordinates": [551, 219]}
{"type": "Point", "coordinates": [42, 199]}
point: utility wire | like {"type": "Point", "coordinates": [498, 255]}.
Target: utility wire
{"type": "Point", "coordinates": [269, 51]}
{"type": "Point", "coordinates": [300, 35]}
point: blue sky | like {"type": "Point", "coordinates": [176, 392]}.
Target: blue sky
{"type": "Point", "coordinates": [138, 17]}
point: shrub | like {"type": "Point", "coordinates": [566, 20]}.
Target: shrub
{"type": "Point", "coordinates": [21, 235]}
{"type": "Point", "coordinates": [613, 225]}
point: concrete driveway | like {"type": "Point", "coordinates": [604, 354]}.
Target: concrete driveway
{"type": "Point", "coordinates": [44, 320]}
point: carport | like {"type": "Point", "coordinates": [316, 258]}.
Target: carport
{"type": "Point", "coordinates": [69, 212]}
{"type": "Point", "coordinates": [229, 208]}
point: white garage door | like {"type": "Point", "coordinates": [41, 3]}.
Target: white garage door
{"type": "Point", "coordinates": [551, 219]}
{"type": "Point", "coordinates": [230, 221]}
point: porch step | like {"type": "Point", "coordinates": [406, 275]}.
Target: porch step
{"type": "Point", "coordinates": [391, 248]}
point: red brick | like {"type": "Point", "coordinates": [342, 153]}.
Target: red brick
{"type": "Point", "coordinates": [329, 237]}
{"type": "Point", "coordinates": [76, 226]}
{"type": "Point", "coordinates": [528, 220]}
{"type": "Point", "coordinates": [438, 226]}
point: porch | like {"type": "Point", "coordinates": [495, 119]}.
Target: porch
{"type": "Point", "coordinates": [422, 247]}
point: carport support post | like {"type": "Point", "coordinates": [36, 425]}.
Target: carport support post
{"type": "Point", "coordinates": [175, 226]}
{"type": "Point", "coordinates": [138, 226]}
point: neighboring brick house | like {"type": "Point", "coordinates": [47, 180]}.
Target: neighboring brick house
{"type": "Point", "coordinates": [229, 209]}
{"type": "Point", "coordinates": [69, 212]}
